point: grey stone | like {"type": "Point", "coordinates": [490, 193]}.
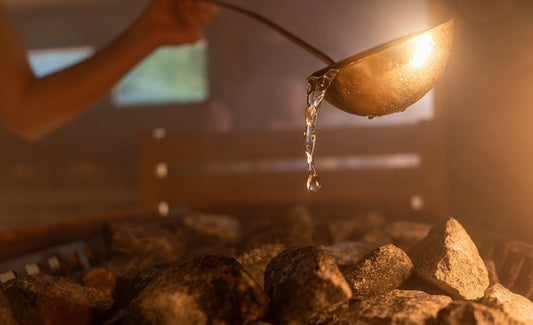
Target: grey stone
{"type": "Point", "coordinates": [195, 251]}
{"type": "Point", "coordinates": [143, 244]}
{"type": "Point", "coordinates": [356, 227]}
{"type": "Point", "coordinates": [293, 227]}
{"type": "Point", "coordinates": [349, 253]}
{"type": "Point", "coordinates": [448, 258]}
{"type": "Point", "coordinates": [213, 228]}
{"type": "Point", "coordinates": [514, 305]}
{"type": "Point", "coordinates": [406, 234]}
{"type": "Point", "coordinates": [274, 237]}
{"type": "Point", "coordinates": [103, 279]}
{"type": "Point", "coordinates": [6, 314]}
{"type": "Point", "coordinates": [205, 290]}
{"type": "Point", "coordinates": [376, 237]}
{"type": "Point", "coordinates": [414, 282]}
{"type": "Point", "coordinates": [471, 313]}
{"type": "Point", "coordinates": [305, 286]}
{"type": "Point", "coordinates": [381, 271]}
{"type": "Point", "coordinates": [398, 307]}
{"type": "Point", "coordinates": [130, 282]}
{"type": "Point", "coordinates": [256, 260]}
{"type": "Point", "coordinates": [46, 299]}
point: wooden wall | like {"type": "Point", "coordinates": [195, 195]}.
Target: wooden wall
{"type": "Point", "coordinates": [487, 100]}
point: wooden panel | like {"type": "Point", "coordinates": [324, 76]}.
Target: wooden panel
{"type": "Point", "coordinates": [206, 171]}
{"type": "Point", "coordinates": [200, 148]}
{"type": "Point", "coordinates": [222, 189]}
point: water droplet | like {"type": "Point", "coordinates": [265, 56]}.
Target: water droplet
{"type": "Point", "coordinates": [313, 183]}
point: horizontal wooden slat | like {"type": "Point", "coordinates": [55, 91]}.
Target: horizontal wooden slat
{"type": "Point", "coordinates": [199, 148]}
{"type": "Point", "coordinates": [250, 168]}
{"type": "Point", "coordinates": [199, 190]}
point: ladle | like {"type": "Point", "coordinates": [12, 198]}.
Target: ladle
{"type": "Point", "coordinates": [385, 79]}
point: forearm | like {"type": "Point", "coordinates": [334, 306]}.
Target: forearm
{"type": "Point", "coordinates": [32, 107]}
{"type": "Point", "coordinates": [52, 100]}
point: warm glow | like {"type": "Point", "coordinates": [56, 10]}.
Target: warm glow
{"type": "Point", "coordinates": [423, 45]}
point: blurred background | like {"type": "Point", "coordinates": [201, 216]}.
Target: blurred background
{"type": "Point", "coordinates": [244, 76]}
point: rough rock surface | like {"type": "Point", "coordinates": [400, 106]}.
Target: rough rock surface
{"type": "Point", "coordinates": [397, 307]}
{"type": "Point", "coordinates": [292, 228]}
{"type": "Point", "coordinates": [377, 237]}
{"type": "Point", "coordinates": [205, 290]}
{"type": "Point", "coordinates": [305, 286]}
{"type": "Point", "coordinates": [131, 282]}
{"type": "Point", "coordinates": [102, 279]}
{"type": "Point", "coordinates": [46, 299]}
{"type": "Point", "coordinates": [213, 228]}
{"type": "Point", "coordinates": [256, 260]}
{"type": "Point", "coordinates": [406, 234]}
{"type": "Point", "coordinates": [514, 305]}
{"type": "Point", "coordinates": [6, 314]}
{"type": "Point", "coordinates": [471, 313]}
{"type": "Point", "coordinates": [349, 253]}
{"type": "Point", "coordinates": [448, 258]}
{"type": "Point", "coordinates": [145, 244]}
{"type": "Point", "coordinates": [381, 271]}
{"type": "Point", "coordinates": [356, 227]}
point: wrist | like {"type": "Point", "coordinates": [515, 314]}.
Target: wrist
{"type": "Point", "coordinates": [145, 32]}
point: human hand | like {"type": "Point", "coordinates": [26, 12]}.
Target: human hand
{"type": "Point", "coordinates": [173, 22]}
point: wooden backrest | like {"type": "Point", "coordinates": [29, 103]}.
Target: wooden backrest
{"type": "Point", "coordinates": [398, 168]}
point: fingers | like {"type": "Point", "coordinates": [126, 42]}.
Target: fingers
{"type": "Point", "coordinates": [181, 21]}
{"type": "Point", "coordinates": [197, 10]}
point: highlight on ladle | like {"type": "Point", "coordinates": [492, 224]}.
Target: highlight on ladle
{"type": "Point", "coordinates": [423, 45]}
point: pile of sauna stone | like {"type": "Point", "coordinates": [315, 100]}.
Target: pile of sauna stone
{"type": "Point", "coordinates": [287, 269]}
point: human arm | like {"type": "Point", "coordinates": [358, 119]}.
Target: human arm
{"type": "Point", "coordinates": [31, 107]}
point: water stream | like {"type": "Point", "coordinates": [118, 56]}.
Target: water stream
{"type": "Point", "coordinates": [316, 90]}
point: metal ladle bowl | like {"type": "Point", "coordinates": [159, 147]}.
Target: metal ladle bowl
{"type": "Point", "coordinates": [392, 76]}
{"type": "Point", "coordinates": [385, 79]}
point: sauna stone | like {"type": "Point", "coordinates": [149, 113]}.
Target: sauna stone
{"type": "Point", "coordinates": [448, 258]}
{"type": "Point", "coordinates": [356, 227]}
{"type": "Point", "coordinates": [46, 299]}
{"type": "Point", "coordinates": [6, 314]}
{"type": "Point", "coordinates": [145, 244]}
{"type": "Point", "coordinates": [376, 237]}
{"type": "Point", "coordinates": [293, 227]}
{"type": "Point", "coordinates": [206, 290]}
{"type": "Point", "coordinates": [305, 286]}
{"type": "Point", "coordinates": [256, 260]}
{"type": "Point", "coordinates": [349, 253]}
{"type": "Point", "coordinates": [102, 279]}
{"type": "Point", "coordinates": [213, 228]}
{"type": "Point", "coordinates": [406, 234]}
{"type": "Point", "coordinates": [471, 313]}
{"type": "Point", "coordinates": [518, 307]}
{"type": "Point", "coordinates": [395, 307]}
{"type": "Point", "coordinates": [298, 220]}
{"type": "Point", "coordinates": [381, 271]}
{"type": "Point", "coordinates": [131, 282]}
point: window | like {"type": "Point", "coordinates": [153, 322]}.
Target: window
{"type": "Point", "coordinates": [170, 75]}
{"type": "Point", "coordinates": [173, 74]}
{"type": "Point", "coordinates": [47, 61]}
